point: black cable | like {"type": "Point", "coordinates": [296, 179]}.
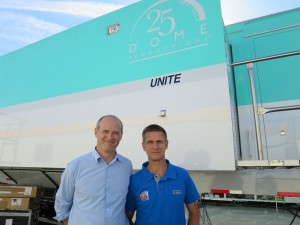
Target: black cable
{"type": "Point", "coordinates": [203, 213]}
{"type": "Point", "coordinates": [291, 210]}
{"type": "Point", "coordinates": [295, 215]}
{"type": "Point", "coordinates": [206, 220]}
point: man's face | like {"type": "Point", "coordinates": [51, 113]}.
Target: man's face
{"type": "Point", "coordinates": [108, 135]}
{"type": "Point", "coordinates": [155, 145]}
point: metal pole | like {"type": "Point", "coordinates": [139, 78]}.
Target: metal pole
{"type": "Point", "coordinates": [255, 111]}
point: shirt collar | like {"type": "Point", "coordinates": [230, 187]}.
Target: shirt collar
{"type": "Point", "coordinates": [169, 174]}
{"type": "Point", "coordinates": [98, 158]}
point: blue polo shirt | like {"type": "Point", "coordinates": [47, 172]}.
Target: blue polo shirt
{"type": "Point", "coordinates": [161, 202]}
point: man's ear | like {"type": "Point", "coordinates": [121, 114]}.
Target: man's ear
{"type": "Point", "coordinates": [95, 131]}
{"type": "Point", "coordinates": [143, 146]}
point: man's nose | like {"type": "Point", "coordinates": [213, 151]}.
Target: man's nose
{"type": "Point", "coordinates": [110, 136]}
{"type": "Point", "coordinates": [155, 145]}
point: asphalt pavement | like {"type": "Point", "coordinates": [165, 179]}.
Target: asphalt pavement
{"type": "Point", "coordinates": [249, 214]}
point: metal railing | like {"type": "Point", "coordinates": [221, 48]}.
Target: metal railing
{"type": "Point", "coordinates": [256, 110]}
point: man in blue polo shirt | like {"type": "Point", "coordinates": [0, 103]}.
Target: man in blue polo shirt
{"type": "Point", "coordinates": [159, 191]}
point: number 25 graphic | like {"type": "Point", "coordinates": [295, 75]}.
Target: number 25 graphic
{"type": "Point", "coordinates": [161, 17]}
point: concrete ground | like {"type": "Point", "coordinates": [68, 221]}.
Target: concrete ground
{"type": "Point", "coordinates": [248, 215]}
{"type": "Point", "coordinates": [217, 213]}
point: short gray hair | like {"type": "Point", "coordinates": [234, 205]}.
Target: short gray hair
{"type": "Point", "coordinates": [112, 116]}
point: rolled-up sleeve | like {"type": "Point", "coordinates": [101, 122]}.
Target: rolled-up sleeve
{"type": "Point", "coordinates": [65, 194]}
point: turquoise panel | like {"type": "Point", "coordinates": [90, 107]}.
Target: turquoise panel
{"type": "Point", "coordinates": [275, 80]}
{"type": "Point", "coordinates": [154, 38]}
{"type": "Point", "coordinates": [279, 78]}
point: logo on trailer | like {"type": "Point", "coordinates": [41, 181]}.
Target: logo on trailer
{"type": "Point", "coordinates": [167, 27]}
{"type": "Point", "coordinates": [165, 80]}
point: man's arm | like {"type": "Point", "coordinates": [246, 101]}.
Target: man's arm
{"type": "Point", "coordinates": [65, 222]}
{"type": "Point", "coordinates": [64, 197]}
{"type": "Point", "coordinates": [130, 216]}
{"type": "Point", "coordinates": [194, 214]}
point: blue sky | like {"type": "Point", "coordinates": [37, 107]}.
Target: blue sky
{"type": "Point", "coordinates": [23, 22]}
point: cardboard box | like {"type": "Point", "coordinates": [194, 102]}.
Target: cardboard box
{"type": "Point", "coordinates": [15, 191]}
{"type": "Point", "coordinates": [18, 203]}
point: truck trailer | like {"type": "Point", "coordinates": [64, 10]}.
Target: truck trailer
{"type": "Point", "coordinates": [228, 97]}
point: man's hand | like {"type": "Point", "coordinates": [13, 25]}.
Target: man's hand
{"type": "Point", "coordinates": [65, 222]}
